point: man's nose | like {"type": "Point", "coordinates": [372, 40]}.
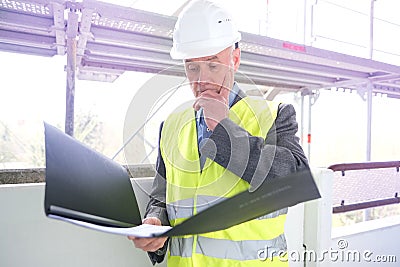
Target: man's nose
{"type": "Point", "coordinates": [204, 75]}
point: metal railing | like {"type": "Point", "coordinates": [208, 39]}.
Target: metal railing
{"type": "Point", "coordinates": [37, 175]}
{"type": "Point", "coordinates": [366, 166]}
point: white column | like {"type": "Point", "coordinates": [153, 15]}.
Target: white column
{"type": "Point", "coordinates": [318, 221]}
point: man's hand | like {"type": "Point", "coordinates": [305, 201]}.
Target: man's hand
{"type": "Point", "coordinates": [149, 244]}
{"type": "Point", "coordinates": [215, 108]}
{"type": "Point", "coordinates": [215, 103]}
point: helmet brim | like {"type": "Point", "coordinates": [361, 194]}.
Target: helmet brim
{"type": "Point", "coordinates": [203, 48]}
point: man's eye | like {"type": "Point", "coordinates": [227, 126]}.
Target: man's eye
{"type": "Point", "coordinates": [192, 67]}
{"type": "Point", "coordinates": [213, 66]}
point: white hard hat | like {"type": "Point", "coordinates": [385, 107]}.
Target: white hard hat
{"type": "Point", "coordinates": [203, 29]}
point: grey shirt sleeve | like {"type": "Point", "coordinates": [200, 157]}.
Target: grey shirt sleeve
{"type": "Point", "coordinates": [256, 159]}
{"type": "Point", "coordinates": [156, 206]}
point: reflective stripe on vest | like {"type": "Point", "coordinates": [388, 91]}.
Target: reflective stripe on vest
{"type": "Point", "coordinates": [227, 249]}
{"type": "Point", "coordinates": [190, 190]}
{"type": "Point", "coordinates": [183, 209]}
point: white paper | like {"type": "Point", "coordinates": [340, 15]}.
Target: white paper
{"type": "Point", "coordinates": [144, 230]}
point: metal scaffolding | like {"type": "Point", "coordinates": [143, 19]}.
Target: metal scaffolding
{"type": "Point", "coordinates": [103, 40]}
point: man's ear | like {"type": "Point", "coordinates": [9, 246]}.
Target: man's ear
{"type": "Point", "coordinates": [236, 59]}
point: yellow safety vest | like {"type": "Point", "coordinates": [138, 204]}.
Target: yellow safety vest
{"type": "Point", "coordinates": [190, 190]}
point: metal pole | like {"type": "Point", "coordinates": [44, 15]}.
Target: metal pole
{"type": "Point", "coordinates": [371, 30]}
{"type": "Point", "coordinates": [72, 31]}
{"type": "Point", "coordinates": [302, 121]}
{"type": "Point", "coordinates": [367, 212]}
{"type": "Point", "coordinates": [70, 90]}
{"type": "Point", "coordinates": [369, 121]}
{"type": "Point", "coordinates": [304, 21]}
{"type": "Point", "coordinates": [369, 85]}
{"type": "Point", "coordinates": [310, 98]}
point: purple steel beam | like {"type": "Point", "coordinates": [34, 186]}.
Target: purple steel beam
{"type": "Point", "coordinates": [134, 65]}
{"type": "Point", "coordinates": [127, 53]}
{"type": "Point", "coordinates": [302, 67]}
{"type": "Point", "coordinates": [104, 35]}
{"type": "Point", "coordinates": [109, 11]}
{"type": "Point", "coordinates": [383, 78]}
{"type": "Point", "coordinates": [23, 21]}
{"type": "Point", "coordinates": [324, 55]}
{"type": "Point", "coordinates": [26, 39]}
{"type": "Point", "coordinates": [14, 48]}
{"type": "Point", "coordinates": [312, 80]}
{"type": "Point", "coordinates": [122, 54]}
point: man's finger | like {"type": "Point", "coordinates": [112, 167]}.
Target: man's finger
{"type": "Point", "coordinates": [202, 101]}
{"type": "Point", "coordinates": [213, 96]}
{"type": "Point", "coordinates": [153, 246]}
{"type": "Point", "coordinates": [149, 244]}
{"type": "Point", "coordinates": [142, 243]}
{"type": "Point", "coordinates": [198, 104]}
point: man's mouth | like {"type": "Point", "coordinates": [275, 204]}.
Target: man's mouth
{"type": "Point", "coordinates": [201, 91]}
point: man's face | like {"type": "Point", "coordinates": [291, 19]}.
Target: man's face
{"type": "Point", "coordinates": [213, 73]}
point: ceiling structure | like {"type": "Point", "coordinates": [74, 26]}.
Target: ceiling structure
{"type": "Point", "coordinates": [112, 39]}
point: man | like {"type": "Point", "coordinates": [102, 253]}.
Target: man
{"type": "Point", "coordinates": [225, 144]}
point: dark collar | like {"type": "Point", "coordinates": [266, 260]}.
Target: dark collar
{"type": "Point", "coordinates": [239, 97]}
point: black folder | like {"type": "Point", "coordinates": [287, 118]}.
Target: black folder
{"type": "Point", "coordinates": [86, 188]}
{"type": "Point", "coordinates": [83, 184]}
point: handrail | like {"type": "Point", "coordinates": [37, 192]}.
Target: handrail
{"type": "Point", "coordinates": [365, 166]}
{"type": "Point", "coordinates": [366, 204]}
{"type": "Point", "coordinates": [37, 175]}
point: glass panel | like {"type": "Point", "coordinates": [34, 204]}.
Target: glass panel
{"type": "Point", "coordinates": [32, 91]}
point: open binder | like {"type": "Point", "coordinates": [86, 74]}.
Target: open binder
{"type": "Point", "coordinates": [86, 188]}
